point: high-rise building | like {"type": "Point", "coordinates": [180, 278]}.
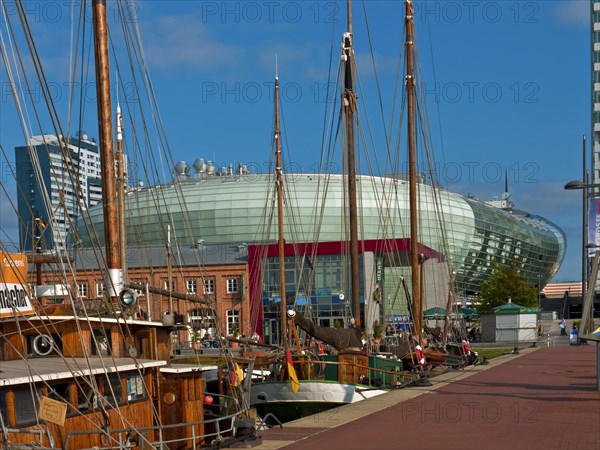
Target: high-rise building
{"type": "Point", "coordinates": [57, 178]}
{"type": "Point", "coordinates": [595, 28]}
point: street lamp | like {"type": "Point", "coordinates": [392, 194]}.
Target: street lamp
{"type": "Point", "coordinates": [576, 184]}
{"type": "Point", "coordinates": [540, 292]}
{"type": "Point", "coordinates": [586, 292]}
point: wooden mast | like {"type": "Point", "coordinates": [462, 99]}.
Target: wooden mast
{"type": "Point", "coordinates": [280, 239]}
{"type": "Point", "coordinates": [449, 305]}
{"type": "Point", "coordinates": [121, 187]}
{"type": "Point", "coordinates": [107, 159]}
{"type": "Point", "coordinates": [349, 106]}
{"type": "Point", "coordinates": [412, 174]}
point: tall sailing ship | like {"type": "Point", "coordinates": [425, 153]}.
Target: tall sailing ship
{"type": "Point", "coordinates": [77, 374]}
{"type": "Point", "coordinates": [356, 370]}
{"type": "Point", "coordinates": [299, 382]}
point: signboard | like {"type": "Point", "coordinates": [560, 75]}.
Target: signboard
{"type": "Point", "coordinates": [53, 411]}
{"type": "Point", "coordinates": [14, 299]}
{"type": "Point", "coordinates": [379, 270]}
{"type": "Point", "coordinates": [593, 225]}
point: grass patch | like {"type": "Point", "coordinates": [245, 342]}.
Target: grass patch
{"type": "Point", "coordinates": [492, 353]}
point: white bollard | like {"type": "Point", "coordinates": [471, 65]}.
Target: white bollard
{"type": "Point", "coordinates": [548, 341]}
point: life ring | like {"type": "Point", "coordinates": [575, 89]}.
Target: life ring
{"type": "Point", "coordinates": [420, 354]}
{"type": "Point", "coordinates": [43, 345]}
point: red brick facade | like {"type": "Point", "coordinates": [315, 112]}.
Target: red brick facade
{"type": "Point", "coordinates": [228, 284]}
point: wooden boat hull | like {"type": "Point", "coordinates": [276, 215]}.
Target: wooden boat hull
{"type": "Point", "coordinates": [433, 357]}
{"type": "Point", "coordinates": [96, 400]}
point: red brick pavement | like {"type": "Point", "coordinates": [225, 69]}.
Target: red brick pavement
{"type": "Point", "coordinates": [546, 400]}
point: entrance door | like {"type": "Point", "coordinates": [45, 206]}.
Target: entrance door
{"type": "Point", "coordinates": [271, 331]}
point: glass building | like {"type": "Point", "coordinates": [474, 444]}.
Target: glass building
{"type": "Point", "coordinates": [237, 207]}
{"type": "Point", "coordinates": [50, 201]}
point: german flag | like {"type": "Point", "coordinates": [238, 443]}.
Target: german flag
{"type": "Point", "coordinates": [291, 371]}
{"type": "Point", "coordinates": [236, 374]}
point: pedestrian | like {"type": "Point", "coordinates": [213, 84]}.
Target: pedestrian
{"type": "Point", "coordinates": [563, 327]}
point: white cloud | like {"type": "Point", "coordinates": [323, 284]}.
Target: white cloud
{"type": "Point", "coordinates": [182, 42]}
{"type": "Point", "coordinates": [534, 198]}
{"type": "Point", "coordinates": [573, 12]}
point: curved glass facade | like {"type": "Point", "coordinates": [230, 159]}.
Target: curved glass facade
{"type": "Point", "coordinates": [239, 208]}
{"type": "Point", "coordinates": [502, 235]}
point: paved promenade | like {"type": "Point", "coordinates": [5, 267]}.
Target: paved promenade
{"type": "Point", "coordinates": [542, 398]}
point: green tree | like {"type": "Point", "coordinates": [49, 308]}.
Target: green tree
{"type": "Point", "coordinates": [377, 329]}
{"type": "Point", "coordinates": [505, 282]}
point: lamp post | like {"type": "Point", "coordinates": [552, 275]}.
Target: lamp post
{"type": "Point", "coordinates": [585, 290]}
{"type": "Point", "coordinates": [540, 292]}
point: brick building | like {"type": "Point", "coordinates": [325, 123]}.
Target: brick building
{"type": "Point", "coordinates": [214, 273]}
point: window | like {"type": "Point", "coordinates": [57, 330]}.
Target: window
{"type": "Point", "coordinates": [201, 319]}
{"type": "Point", "coordinates": [112, 389]}
{"type": "Point", "coordinates": [209, 285]}
{"type": "Point", "coordinates": [82, 288]}
{"type": "Point", "coordinates": [100, 288]}
{"type": "Point", "coordinates": [85, 395]}
{"type": "Point", "coordinates": [232, 285]}
{"type": "Point", "coordinates": [26, 405]}
{"type": "Point", "coordinates": [191, 286]}
{"type": "Point", "coordinates": [135, 387]}
{"type": "Point", "coordinates": [172, 285]}
{"type": "Point", "coordinates": [4, 408]}
{"type": "Point", "coordinates": [101, 342]}
{"type": "Point", "coordinates": [60, 392]}
{"type": "Point", "coordinates": [233, 321]}
{"type": "Point", "coordinates": [43, 344]}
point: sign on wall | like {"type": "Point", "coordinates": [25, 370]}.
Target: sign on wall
{"type": "Point", "coordinates": [14, 299]}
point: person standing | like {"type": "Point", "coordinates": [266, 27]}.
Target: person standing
{"type": "Point", "coordinates": [563, 327]}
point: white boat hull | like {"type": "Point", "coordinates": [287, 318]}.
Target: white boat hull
{"type": "Point", "coordinates": [277, 398]}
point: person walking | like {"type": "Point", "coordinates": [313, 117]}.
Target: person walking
{"type": "Point", "coordinates": [563, 327]}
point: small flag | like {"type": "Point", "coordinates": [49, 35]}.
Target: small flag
{"type": "Point", "coordinates": [292, 372]}
{"type": "Point", "coordinates": [236, 375]}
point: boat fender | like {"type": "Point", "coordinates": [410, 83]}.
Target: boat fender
{"type": "Point", "coordinates": [420, 354]}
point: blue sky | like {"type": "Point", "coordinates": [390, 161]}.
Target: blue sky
{"type": "Point", "coordinates": [507, 84]}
